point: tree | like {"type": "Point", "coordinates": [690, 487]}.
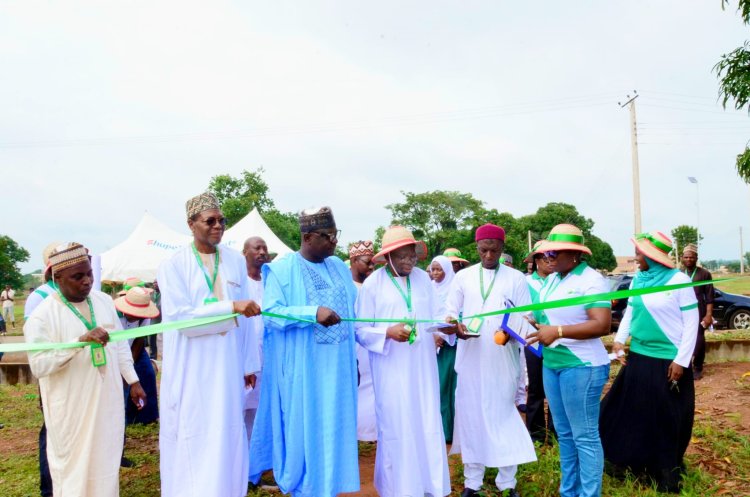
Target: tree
{"type": "Point", "coordinates": [733, 71]}
{"type": "Point", "coordinates": [684, 234]}
{"type": "Point", "coordinates": [441, 219]}
{"type": "Point", "coordinates": [11, 254]}
{"type": "Point", "coordinates": [238, 196]}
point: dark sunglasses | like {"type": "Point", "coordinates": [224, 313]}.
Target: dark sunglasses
{"type": "Point", "coordinates": [551, 254]}
{"type": "Point", "coordinates": [213, 220]}
{"type": "Point", "coordinates": [328, 236]}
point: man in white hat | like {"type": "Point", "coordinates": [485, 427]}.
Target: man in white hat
{"type": "Point", "coordinates": [411, 457]}
{"type": "Point", "coordinates": [202, 437]}
{"type": "Point", "coordinates": [488, 429]}
{"type": "Point", "coordinates": [81, 388]}
{"type": "Point", "coordinates": [305, 429]}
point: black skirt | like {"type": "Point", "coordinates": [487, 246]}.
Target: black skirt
{"type": "Point", "coordinates": [645, 423]}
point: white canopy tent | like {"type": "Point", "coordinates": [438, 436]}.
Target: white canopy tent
{"type": "Point", "coordinates": [139, 256]}
{"type": "Point", "coordinates": [152, 242]}
{"type": "Point", "coordinates": [253, 225]}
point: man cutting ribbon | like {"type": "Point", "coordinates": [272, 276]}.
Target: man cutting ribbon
{"type": "Point", "coordinates": [202, 437]}
{"type": "Point", "coordinates": [81, 388]}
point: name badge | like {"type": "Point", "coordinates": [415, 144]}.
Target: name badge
{"type": "Point", "coordinates": [211, 300]}
{"type": "Point", "coordinates": [474, 325]}
{"type": "Point", "coordinates": [98, 356]}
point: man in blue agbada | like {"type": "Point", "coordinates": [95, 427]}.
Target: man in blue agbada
{"type": "Point", "coordinates": [305, 429]}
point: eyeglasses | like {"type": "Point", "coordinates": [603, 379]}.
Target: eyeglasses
{"type": "Point", "coordinates": [213, 220]}
{"type": "Point", "coordinates": [331, 237]}
{"type": "Point", "coordinates": [551, 254]}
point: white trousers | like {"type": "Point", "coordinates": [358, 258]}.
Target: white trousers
{"type": "Point", "coordinates": [474, 474]}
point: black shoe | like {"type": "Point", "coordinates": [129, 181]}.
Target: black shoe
{"type": "Point", "coordinates": [469, 492]}
{"type": "Point", "coordinates": [521, 408]}
{"type": "Point", "coordinates": [698, 375]}
{"type": "Point", "coordinates": [510, 492]}
{"type": "Point", "coordinates": [126, 463]}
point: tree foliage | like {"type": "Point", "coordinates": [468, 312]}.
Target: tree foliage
{"type": "Point", "coordinates": [238, 196]}
{"type": "Point", "coordinates": [733, 71]}
{"type": "Point", "coordinates": [11, 255]}
{"type": "Point", "coordinates": [445, 219]}
{"type": "Point", "coordinates": [684, 234]}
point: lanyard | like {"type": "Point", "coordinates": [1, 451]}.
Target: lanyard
{"type": "Point", "coordinates": [692, 275]}
{"type": "Point", "coordinates": [405, 296]}
{"type": "Point", "coordinates": [98, 357]}
{"type": "Point", "coordinates": [89, 325]}
{"type": "Point", "coordinates": [209, 282]}
{"type": "Point", "coordinates": [481, 283]}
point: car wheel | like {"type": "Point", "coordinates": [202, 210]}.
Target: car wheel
{"type": "Point", "coordinates": [740, 320]}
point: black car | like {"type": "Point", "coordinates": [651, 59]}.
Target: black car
{"type": "Point", "coordinates": [730, 310]}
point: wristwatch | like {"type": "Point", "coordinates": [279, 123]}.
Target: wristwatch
{"type": "Point", "coordinates": [559, 331]}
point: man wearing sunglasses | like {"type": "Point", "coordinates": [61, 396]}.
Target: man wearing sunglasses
{"type": "Point", "coordinates": [306, 426]}
{"type": "Point", "coordinates": [202, 439]}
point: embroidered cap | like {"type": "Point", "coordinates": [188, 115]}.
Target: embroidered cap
{"type": "Point", "coordinates": [690, 247]}
{"type": "Point", "coordinates": [203, 202]}
{"type": "Point", "coordinates": [67, 255]}
{"type": "Point", "coordinates": [316, 218]}
{"type": "Point", "coordinates": [362, 247]}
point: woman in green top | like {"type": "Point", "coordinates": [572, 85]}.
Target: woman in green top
{"type": "Point", "coordinates": [647, 416]}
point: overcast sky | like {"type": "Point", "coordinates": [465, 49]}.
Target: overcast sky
{"type": "Point", "coordinates": [112, 108]}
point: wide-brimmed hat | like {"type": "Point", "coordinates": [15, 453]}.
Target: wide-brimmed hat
{"type": "Point", "coordinates": [530, 256]}
{"type": "Point", "coordinates": [137, 302]}
{"type": "Point", "coordinates": [564, 237]}
{"type": "Point", "coordinates": [454, 255]}
{"type": "Point", "coordinates": [654, 245]}
{"type": "Point", "coordinates": [396, 237]}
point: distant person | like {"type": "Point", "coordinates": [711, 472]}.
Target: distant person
{"type": "Point", "coordinates": [81, 388]}
{"type": "Point", "coordinates": [255, 251]}
{"type": "Point", "coordinates": [7, 296]}
{"type": "Point", "coordinates": [705, 296]}
{"type": "Point", "coordinates": [457, 260]}
{"type": "Point", "coordinates": [646, 419]}
{"type": "Point", "coordinates": [360, 255]}
{"type": "Point", "coordinates": [442, 277]}
{"type": "Point", "coordinates": [506, 259]}
{"type": "Point", "coordinates": [138, 311]}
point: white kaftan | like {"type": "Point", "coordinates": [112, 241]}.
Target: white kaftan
{"type": "Point", "coordinates": [488, 429]}
{"type": "Point", "coordinates": [367, 425]}
{"type": "Point", "coordinates": [252, 396]}
{"type": "Point", "coordinates": [202, 438]}
{"type": "Point", "coordinates": [83, 404]}
{"type": "Point", "coordinates": [411, 457]}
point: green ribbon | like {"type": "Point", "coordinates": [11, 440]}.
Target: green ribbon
{"type": "Point", "coordinates": [560, 237]}
{"type": "Point", "coordinates": [655, 241]}
{"type": "Point", "coordinates": [190, 323]}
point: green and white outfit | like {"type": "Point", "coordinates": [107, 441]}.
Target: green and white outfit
{"type": "Point", "coordinates": [568, 352]}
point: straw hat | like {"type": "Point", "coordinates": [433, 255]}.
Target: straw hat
{"type": "Point", "coordinates": [396, 237]}
{"type": "Point", "coordinates": [534, 250]}
{"type": "Point", "coordinates": [137, 302]}
{"type": "Point", "coordinates": [654, 245]}
{"type": "Point", "coordinates": [454, 255]}
{"type": "Point", "coordinates": [564, 237]}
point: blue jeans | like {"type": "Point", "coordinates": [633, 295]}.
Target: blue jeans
{"type": "Point", "coordinates": [574, 395]}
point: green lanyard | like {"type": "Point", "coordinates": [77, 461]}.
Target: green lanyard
{"type": "Point", "coordinates": [98, 357]}
{"type": "Point", "coordinates": [209, 282]}
{"type": "Point", "coordinates": [486, 295]}
{"type": "Point", "coordinates": [407, 299]}
{"type": "Point", "coordinates": [692, 275]}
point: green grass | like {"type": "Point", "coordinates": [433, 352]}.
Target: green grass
{"type": "Point", "coordinates": [740, 286]}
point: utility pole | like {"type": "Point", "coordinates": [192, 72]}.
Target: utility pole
{"type": "Point", "coordinates": [634, 152]}
{"type": "Point", "coordinates": [742, 254]}
{"type": "Point", "coordinates": [529, 235]}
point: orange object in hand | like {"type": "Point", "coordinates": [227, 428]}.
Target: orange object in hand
{"type": "Point", "coordinates": [501, 337]}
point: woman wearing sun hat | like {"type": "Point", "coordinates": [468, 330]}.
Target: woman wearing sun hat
{"type": "Point", "coordinates": [576, 365]}
{"type": "Point", "coordinates": [454, 255]}
{"type": "Point", "coordinates": [137, 310]}
{"type": "Point", "coordinates": [411, 457]}
{"type": "Point", "coordinates": [647, 416]}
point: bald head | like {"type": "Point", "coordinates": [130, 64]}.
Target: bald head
{"type": "Point", "coordinates": [255, 251]}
